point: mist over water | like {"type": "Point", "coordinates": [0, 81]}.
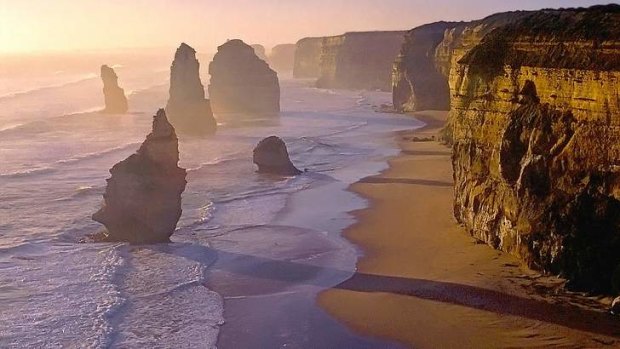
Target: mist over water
{"type": "Point", "coordinates": [55, 153]}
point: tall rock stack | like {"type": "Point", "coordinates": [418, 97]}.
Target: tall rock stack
{"type": "Point", "coordinates": [115, 100]}
{"type": "Point", "coordinates": [142, 201]}
{"type": "Point", "coordinates": [187, 108]}
{"type": "Point", "coordinates": [535, 126]}
{"type": "Point", "coordinates": [241, 82]}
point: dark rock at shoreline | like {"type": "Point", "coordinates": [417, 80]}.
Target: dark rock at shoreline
{"type": "Point", "coordinates": [241, 82]}
{"type": "Point", "coordinates": [142, 201]}
{"type": "Point", "coordinates": [615, 306]}
{"type": "Point", "coordinates": [115, 100]}
{"type": "Point", "coordinates": [271, 156]}
{"type": "Point", "coordinates": [187, 108]}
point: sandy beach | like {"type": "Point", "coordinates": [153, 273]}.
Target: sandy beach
{"type": "Point", "coordinates": [425, 283]}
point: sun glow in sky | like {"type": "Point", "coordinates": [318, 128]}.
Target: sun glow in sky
{"type": "Point", "coordinates": [61, 25]}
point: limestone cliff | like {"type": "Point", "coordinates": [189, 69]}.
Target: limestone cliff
{"type": "Point", "coordinates": [421, 71]}
{"type": "Point", "coordinates": [142, 201]}
{"type": "Point", "coordinates": [535, 126]}
{"type": "Point", "coordinates": [241, 82]}
{"type": "Point", "coordinates": [114, 96]}
{"type": "Point", "coordinates": [282, 58]}
{"type": "Point", "coordinates": [360, 60]}
{"type": "Point", "coordinates": [307, 58]}
{"type": "Point", "coordinates": [187, 108]}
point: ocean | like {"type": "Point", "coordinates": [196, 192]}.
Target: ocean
{"type": "Point", "coordinates": [55, 153]}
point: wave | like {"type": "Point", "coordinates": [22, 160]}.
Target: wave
{"type": "Point", "coordinates": [54, 166]}
{"type": "Point", "coordinates": [86, 77]}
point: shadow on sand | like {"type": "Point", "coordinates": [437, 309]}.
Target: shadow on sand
{"type": "Point", "coordinates": [566, 315]}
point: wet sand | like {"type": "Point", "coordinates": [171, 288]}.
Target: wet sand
{"type": "Point", "coordinates": [425, 283]}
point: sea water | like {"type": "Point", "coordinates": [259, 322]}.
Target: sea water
{"type": "Point", "coordinates": [55, 153]}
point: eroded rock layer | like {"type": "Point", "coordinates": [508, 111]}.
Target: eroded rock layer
{"type": "Point", "coordinates": [241, 82]}
{"type": "Point", "coordinates": [114, 96]}
{"type": "Point", "coordinates": [361, 60]}
{"type": "Point", "coordinates": [187, 108]}
{"type": "Point", "coordinates": [142, 201]}
{"type": "Point", "coordinates": [421, 71]}
{"type": "Point", "coordinates": [535, 126]}
{"type": "Point", "coordinates": [307, 58]}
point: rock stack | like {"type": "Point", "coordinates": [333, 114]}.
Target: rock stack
{"type": "Point", "coordinates": [282, 58]}
{"type": "Point", "coordinates": [142, 201]}
{"type": "Point", "coordinates": [187, 108]}
{"type": "Point", "coordinates": [271, 156]}
{"type": "Point", "coordinates": [241, 82]}
{"type": "Point", "coordinates": [115, 100]}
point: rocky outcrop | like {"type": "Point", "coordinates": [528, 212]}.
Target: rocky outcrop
{"type": "Point", "coordinates": [260, 52]}
{"type": "Point", "coordinates": [142, 201]}
{"type": "Point", "coordinates": [535, 126]}
{"type": "Point", "coordinates": [421, 71]}
{"type": "Point", "coordinates": [307, 63]}
{"type": "Point", "coordinates": [241, 82]}
{"type": "Point", "coordinates": [271, 156]}
{"type": "Point", "coordinates": [115, 100]}
{"type": "Point", "coordinates": [361, 60]}
{"type": "Point", "coordinates": [187, 108]}
{"type": "Point", "coordinates": [282, 58]}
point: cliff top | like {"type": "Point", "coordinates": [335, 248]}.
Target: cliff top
{"type": "Point", "coordinates": [555, 32]}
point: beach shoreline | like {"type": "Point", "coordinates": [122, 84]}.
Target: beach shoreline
{"type": "Point", "coordinates": [425, 283]}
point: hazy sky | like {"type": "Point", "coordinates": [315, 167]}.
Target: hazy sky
{"type": "Point", "coordinates": [41, 25]}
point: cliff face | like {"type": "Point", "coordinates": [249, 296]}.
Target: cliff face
{"type": "Point", "coordinates": [535, 125]}
{"type": "Point", "coordinates": [142, 201]}
{"type": "Point", "coordinates": [421, 71]}
{"type": "Point", "coordinates": [416, 84]}
{"type": "Point", "coordinates": [115, 100]}
{"type": "Point", "coordinates": [307, 58]}
{"type": "Point", "coordinates": [282, 58]}
{"type": "Point", "coordinates": [241, 82]}
{"type": "Point", "coordinates": [187, 108]}
{"type": "Point", "coordinates": [359, 60]}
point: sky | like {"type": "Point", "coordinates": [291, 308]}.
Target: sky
{"type": "Point", "coordinates": [66, 25]}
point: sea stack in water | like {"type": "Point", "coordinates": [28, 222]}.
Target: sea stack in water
{"type": "Point", "coordinates": [142, 201]}
{"type": "Point", "coordinates": [241, 82]}
{"type": "Point", "coordinates": [115, 100]}
{"type": "Point", "coordinates": [187, 108]}
{"type": "Point", "coordinates": [271, 156]}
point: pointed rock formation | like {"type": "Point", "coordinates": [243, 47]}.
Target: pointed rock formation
{"type": "Point", "coordinates": [241, 82]}
{"type": "Point", "coordinates": [115, 100]}
{"type": "Point", "coordinates": [187, 108]}
{"type": "Point", "coordinates": [272, 157]}
{"type": "Point", "coordinates": [142, 201]}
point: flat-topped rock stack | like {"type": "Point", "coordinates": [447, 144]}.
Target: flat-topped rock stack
{"type": "Point", "coordinates": [241, 82]}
